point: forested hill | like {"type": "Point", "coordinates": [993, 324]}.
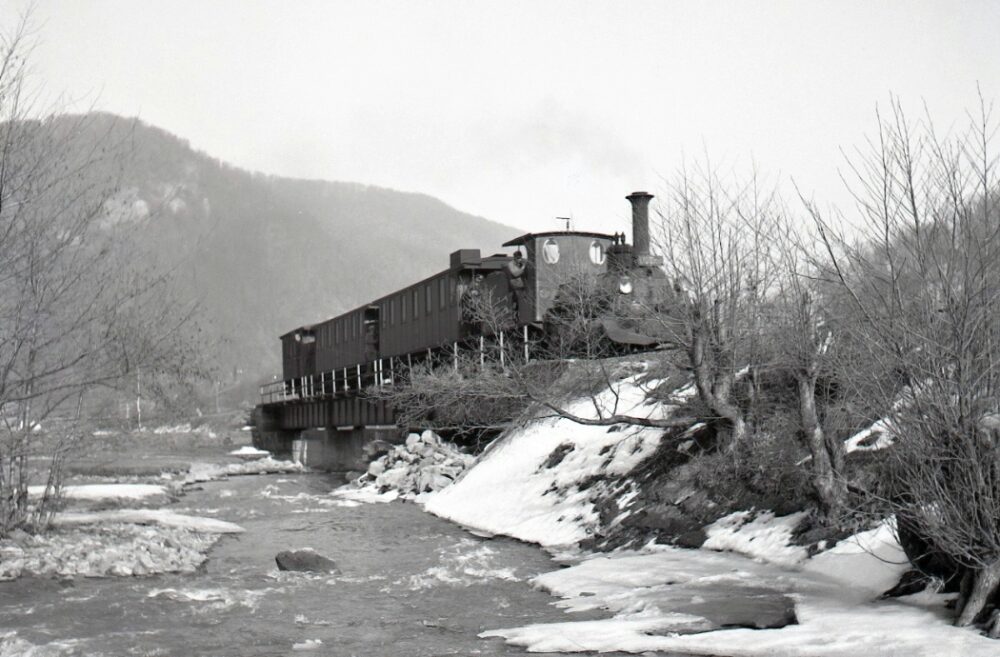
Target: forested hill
{"type": "Point", "coordinates": [264, 254]}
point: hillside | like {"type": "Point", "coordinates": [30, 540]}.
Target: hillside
{"type": "Point", "coordinates": [263, 254]}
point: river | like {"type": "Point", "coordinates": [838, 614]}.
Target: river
{"type": "Point", "coordinates": [411, 584]}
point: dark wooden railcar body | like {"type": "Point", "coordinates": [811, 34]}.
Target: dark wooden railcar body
{"type": "Point", "coordinates": [428, 314]}
{"type": "Point", "coordinates": [298, 352]}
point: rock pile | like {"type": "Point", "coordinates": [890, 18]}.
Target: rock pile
{"type": "Point", "coordinates": [424, 463]}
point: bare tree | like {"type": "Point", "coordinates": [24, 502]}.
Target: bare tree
{"type": "Point", "coordinates": [78, 309]}
{"type": "Point", "coordinates": [804, 341]}
{"type": "Point", "coordinates": [924, 280]}
{"type": "Point", "coordinates": [717, 239]}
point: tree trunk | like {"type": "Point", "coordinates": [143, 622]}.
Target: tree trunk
{"type": "Point", "coordinates": [714, 385]}
{"type": "Point", "coordinates": [735, 430]}
{"type": "Point", "coordinates": [827, 453]}
{"type": "Point", "coordinates": [993, 630]}
{"type": "Point", "coordinates": [983, 586]}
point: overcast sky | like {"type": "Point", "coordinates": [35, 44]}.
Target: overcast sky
{"type": "Point", "coordinates": [519, 111]}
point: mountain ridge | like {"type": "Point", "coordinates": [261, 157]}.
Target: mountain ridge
{"type": "Point", "coordinates": [264, 253]}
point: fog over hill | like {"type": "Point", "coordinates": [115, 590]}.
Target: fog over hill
{"type": "Point", "coordinates": [263, 254]}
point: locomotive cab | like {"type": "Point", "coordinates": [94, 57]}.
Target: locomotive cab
{"type": "Point", "coordinates": [551, 261]}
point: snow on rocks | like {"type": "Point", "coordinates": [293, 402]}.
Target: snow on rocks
{"type": "Point", "coordinates": [112, 550]}
{"type": "Point", "coordinates": [123, 542]}
{"type": "Point", "coordinates": [120, 542]}
{"type": "Point", "coordinates": [423, 464]}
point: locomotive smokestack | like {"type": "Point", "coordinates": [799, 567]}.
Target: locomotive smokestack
{"type": "Point", "coordinates": [640, 223]}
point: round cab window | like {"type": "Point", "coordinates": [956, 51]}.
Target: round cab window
{"type": "Point", "coordinates": [597, 253]}
{"type": "Point", "coordinates": [550, 251]}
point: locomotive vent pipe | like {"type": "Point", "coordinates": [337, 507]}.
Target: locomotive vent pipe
{"type": "Point", "coordinates": [640, 224]}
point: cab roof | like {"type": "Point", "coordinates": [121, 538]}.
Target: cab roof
{"type": "Point", "coordinates": [527, 237]}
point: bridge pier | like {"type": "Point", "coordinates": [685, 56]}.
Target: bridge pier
{"type": "Point", "coordinates": [268, 432]}
{"type": "Point", "coordinates": [345, 448]}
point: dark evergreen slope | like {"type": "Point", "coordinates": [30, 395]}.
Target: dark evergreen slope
{"type": "Point", "coordinates": [264, 254]}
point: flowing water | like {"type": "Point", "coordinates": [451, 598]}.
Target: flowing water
{"type": "Point", "coordinates": [410, 584]}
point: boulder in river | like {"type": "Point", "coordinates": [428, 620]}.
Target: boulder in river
{"type": "Point", "coordinates": [305, 560]}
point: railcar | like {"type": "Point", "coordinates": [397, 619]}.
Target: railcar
{"type": "Point", "coordinates": [371, 344]}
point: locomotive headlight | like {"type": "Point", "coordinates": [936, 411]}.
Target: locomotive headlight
{"type": "Point", "coordinates": [625, 285]}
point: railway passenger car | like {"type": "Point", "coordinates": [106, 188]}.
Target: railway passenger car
{"type": "Point", "coordinates": [366, 345]}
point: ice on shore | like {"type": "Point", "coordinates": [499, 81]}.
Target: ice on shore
{"type": "Point", "coordinates": [103, 492]}
{"type": "Point", "coordinates": [837, 613]}
{"type": "Point", "coordinates": [160, 517]}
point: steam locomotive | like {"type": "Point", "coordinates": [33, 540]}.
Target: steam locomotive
{"type": "Point", "coordinates": [325, 365]}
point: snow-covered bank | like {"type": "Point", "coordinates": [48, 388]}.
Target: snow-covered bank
{"type": "Point", "coordinates": [675, 600]}
{"type": "Point", "coordinates": [540, 482]}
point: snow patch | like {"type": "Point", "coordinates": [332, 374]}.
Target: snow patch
{"type": "Point", "coordinates": [249, 453]}
{"type": "Point", "coordinates": [102, 492]}
{"type": "Point", "coordinates": [308, 644]}
{"type": "Point", "coordinates": [877, 436]}
{"type": "Point", "coordinates": [161, 517]}
{"type": "Point", "coordinates": [758, 535]}
{"type": "Point", "coordinates": [200, 472]}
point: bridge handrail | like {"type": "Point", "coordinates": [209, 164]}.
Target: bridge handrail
{"type": "Point", "coordinates": [345, 380]}
{"type": "Point", "coordinates": [380, 372]}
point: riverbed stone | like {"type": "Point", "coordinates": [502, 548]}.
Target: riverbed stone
{"type": "Point", "coordinates": [305, 560]}
{"type": "Point", "coordinates": [758, 609]}
{"type": "Point", "coordinates": [692, 539]}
